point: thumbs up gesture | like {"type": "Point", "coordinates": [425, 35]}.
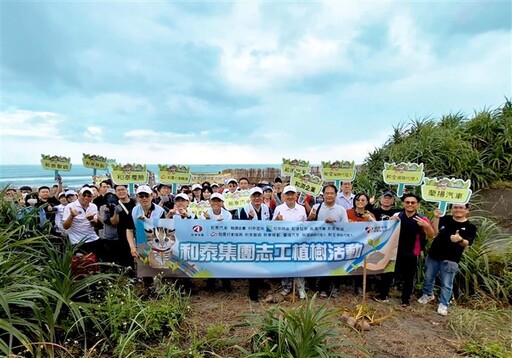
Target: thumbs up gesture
{"type": "Point", "coordinates": [456, 237]}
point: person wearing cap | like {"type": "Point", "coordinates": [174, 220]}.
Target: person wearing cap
{"type": "Point", "coordinates": [386, 209]}
{"type": "Point", "coordinates": [216, 210]}
{"type": "Point", "coordinates": [196, 191]}
{"type": "Point", "coordinates": [256, 210]}
{"type": "Point", "coordinates": [181, 210]}
{"type": "Point", "coordinates": [71, 195]}
{"type": "Point", "coordinates": [80, 217]}
{"type": "Point", "coordinates": [58, 229]}
{"type": "Point", "coordinates": [122, 220]}
{"type": "Point", "coordinates": [345, 196]}
{"type": "Point", "coordinates": [330, 212]}
{"type": "Point", "coordinates": [215, 188]}
{"type": "Point", "coordinates": [232, 185]}
{"type": "Point", "coordinates": [290, 210]}
{"type": "Point", "coordinates": [218, 213]}
{"type": "Point", "coordinates": [145, 209]}
{"type": "Point", "coordinates": [165, 199]}
{"type": "Point", "coordinates": [415, 229]}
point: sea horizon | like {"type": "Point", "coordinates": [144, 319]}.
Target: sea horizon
{"type": "Point", "coordinates": [16, 175]}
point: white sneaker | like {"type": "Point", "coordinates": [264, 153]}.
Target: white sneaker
{"type": "Point", "coordinates": [302, 294]}
{"type": "Point", "coordinates": [426, 299]}
{"type": "Point", "coordinates": [286, 291]}
{"type": "Point", "coordinates": [442, 310]}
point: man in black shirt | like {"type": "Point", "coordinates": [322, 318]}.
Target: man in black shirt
{"type": "Point", "coordinates": [454, 233]}
{"type": "Point", "coordinates": [122, 219]}
{"type": "Point", "coordinates": [386, 208]}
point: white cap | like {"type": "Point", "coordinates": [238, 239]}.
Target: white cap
{"type": "Point", "coordinates": [217, 196]}
{"type": "Point", "coordinates": [232, 180]}
{"type": "Point", "coordinates": [144, 189]}
{"type": "Point", "coordinates": [225, 191]}
{"type": "Point", "coordinates": [289, 188]}
{"type": "Point", "coordinates": [110, 191]}
{"type": "Point", "coordinates": [61, 194]}
{"type": "Point", "coordinates": [182, 196]}
{"type": "Point", "coordinates": [255, 190]}
{"type": "Point", "coordinates": [84, 189]}
{"type": "Point", "coordinates": [70, 192]}
{"type": "Point", "coordinates": [196, 186]}
{"type": "Point", "coordinates": [214, 184]}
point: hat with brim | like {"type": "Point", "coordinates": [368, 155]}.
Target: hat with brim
{"type": "Point", "coordinates": [289, 188]}
{"type": "Point", "coordinates": [144, 189]}
{"type": "Point", "coordinates": [255, 190]}
{"type": "Point", "coordinates": [217, 196]}
{"type": "Point", "coordinates": [84, 190]}
{"type": "Point", "coordinates": [182, 196]}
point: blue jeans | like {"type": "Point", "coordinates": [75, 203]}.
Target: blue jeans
{"type": "Point", "coordinates": [447, 271]}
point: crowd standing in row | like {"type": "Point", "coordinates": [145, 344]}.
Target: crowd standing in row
{"type": "Point", "coordinates": [101, 219]}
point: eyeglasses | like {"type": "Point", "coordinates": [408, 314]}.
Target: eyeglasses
{"type": "Point", "coordinates": [410, 202]}
{"type": "Point", "coordinates": [143, 195]}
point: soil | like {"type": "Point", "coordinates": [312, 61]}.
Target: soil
{"type": "Point", "coordinates": [414, 331]}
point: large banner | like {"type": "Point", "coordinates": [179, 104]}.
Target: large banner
{"type": "Point", "coordinates": [249, 249]}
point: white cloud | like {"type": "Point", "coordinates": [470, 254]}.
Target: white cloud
{"type": "Point", "coordinates": [25, 123]}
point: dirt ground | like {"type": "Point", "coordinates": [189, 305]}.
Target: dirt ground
{"type": "Point", "coordinates": [415, 331]}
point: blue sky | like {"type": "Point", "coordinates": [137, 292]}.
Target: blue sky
{"type": "Point", "coordinates": [240, 82]}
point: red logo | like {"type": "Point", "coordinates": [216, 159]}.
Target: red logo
{"type": "Point", "coordinates": [197, 228]}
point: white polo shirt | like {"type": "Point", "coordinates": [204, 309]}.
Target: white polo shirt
{"type": "Point", "coordinates": [297, 213]}
{"type": "Point", "coordinates": [81, 228]}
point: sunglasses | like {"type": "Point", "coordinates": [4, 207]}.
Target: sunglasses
{"type": "Point", "coordinates": [410, 202]}
{"type": "Point", "coordinates": [143, 195]}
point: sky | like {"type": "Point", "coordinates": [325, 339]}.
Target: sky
{"type": "Point", "coordinates": [247, 82]}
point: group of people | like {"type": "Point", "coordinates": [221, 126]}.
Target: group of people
{"type": "Point", "coordinates": [101, 219]}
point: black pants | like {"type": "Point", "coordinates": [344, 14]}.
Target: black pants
{"type": "Point", "coordinates": [405, 271]}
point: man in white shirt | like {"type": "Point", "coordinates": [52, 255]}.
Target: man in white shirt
{"type": "Point", "coordinates": [80, 218]}
{"type": "Point", "coordinates": [291, 211]}
{"type": "Point", "coordinates": [329, 212]}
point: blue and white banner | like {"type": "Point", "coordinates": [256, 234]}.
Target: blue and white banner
{"type": "Point", "coordinates": [250, 249]}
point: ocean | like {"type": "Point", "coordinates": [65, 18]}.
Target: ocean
{"type": "Point", "coordinates": [34, 175]}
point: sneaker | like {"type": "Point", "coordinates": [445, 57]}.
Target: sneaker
{"type": "Point", "coordinates": [302, 294]}
{"type": "Point", "coordinates": [442, 310]}
{"type": "Point", "coordinates": [335, 292]}
{"type": "Point", "coordinates": [426, 299]}
{"type": "Point", "coordinates": [323, 294]}
{"type": "Point", "coordinates": [286, 291]}
{"type": "Point", "coordinates": [379, 299]}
